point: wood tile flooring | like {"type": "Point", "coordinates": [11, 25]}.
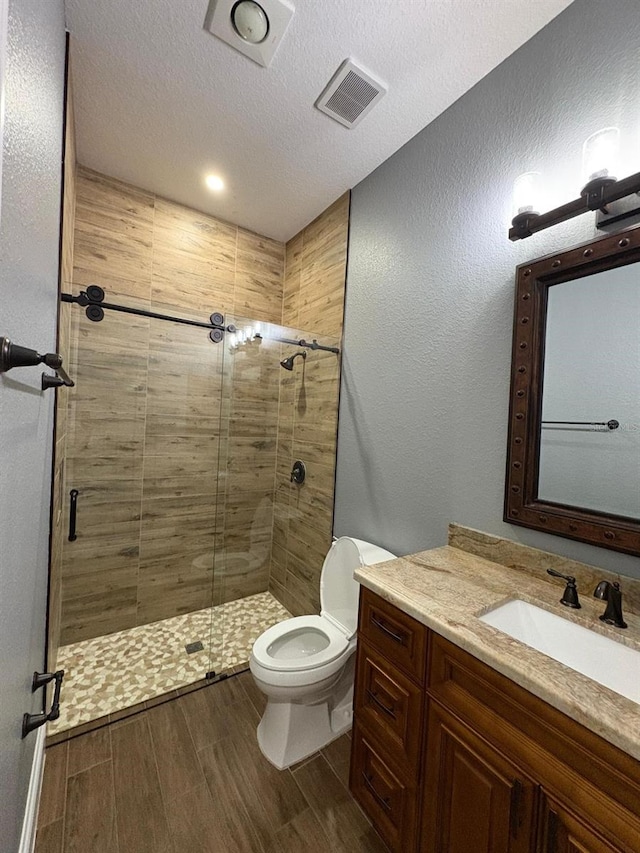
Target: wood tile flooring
{"type": "Point", "coordinates": [188, 777]}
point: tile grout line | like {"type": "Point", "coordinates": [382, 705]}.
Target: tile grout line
{"type": "Point", "coordinates": [95, 763]}
{"type": "Point", "coordinates": [64, 807]}
{"type": "Point", "coordinates": [113, 791]}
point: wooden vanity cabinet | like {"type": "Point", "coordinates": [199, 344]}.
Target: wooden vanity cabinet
{"type": "Point", "coordinates": [587, 794]}
{"type": "Point", "coordinates": [449, 756]}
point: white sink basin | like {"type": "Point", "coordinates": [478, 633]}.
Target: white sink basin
{"type": "Point", "coordinates": [612, 664]}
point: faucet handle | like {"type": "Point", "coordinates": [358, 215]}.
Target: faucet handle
{"type": "Point", "coordinates": [570, 594]}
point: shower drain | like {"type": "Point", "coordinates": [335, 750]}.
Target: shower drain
{"type": "Point", "coordinates": [194, 647]}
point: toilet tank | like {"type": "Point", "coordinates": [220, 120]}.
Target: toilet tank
{"type": "Point", "coordinates": [339, 591]}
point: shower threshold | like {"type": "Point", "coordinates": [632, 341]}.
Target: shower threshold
{"type": "Point", "coordinates": [109, 674]}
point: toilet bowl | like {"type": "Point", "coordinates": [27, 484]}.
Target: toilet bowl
{"type": "Point", "coordinates": [305, 665]}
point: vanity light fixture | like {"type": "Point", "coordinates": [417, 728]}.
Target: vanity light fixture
{"type": "Point", "coordinates": [613, 199]}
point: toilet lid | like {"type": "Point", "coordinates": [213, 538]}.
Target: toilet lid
{"type": "Point", "coordinates": [339, 590]}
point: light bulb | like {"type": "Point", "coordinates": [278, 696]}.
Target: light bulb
{"type": "Point", "coordinates": [600, 155]}
{"type": "Point", "coordinates": [214, 182]}
{"type": "Point", "coordinates": [526, 193]}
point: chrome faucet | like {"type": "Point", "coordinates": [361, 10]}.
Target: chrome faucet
{"type": "Point", "coordinates": [570, 594]}
{"type": "Point", "coordinates": [610, 592]}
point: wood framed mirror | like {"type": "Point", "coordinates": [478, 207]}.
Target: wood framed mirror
{"type": "Point", "coordinates": [573, 457]}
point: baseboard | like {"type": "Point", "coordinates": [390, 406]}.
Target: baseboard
{"type": "Point", "coordinates": [28, 837]}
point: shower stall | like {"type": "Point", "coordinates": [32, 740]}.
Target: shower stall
{"type": "Point", "coordinates": [178, 533]}
{"type": "Point", "coordinates": [178, 504]}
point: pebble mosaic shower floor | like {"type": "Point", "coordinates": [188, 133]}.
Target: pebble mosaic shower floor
{"type": "Point", "coordinates": [109, 673]}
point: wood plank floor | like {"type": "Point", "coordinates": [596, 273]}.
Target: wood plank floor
{"type": "Point", "coordinates": [188, 777]}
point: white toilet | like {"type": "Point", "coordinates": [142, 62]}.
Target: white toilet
{"type": "Point", "coordinates": [305, 665]}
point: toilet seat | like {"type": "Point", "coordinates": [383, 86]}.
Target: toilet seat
{"type": "Point", "coordinates": [299, 644]}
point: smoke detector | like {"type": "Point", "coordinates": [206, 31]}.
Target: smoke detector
{"type": "Point", "coordinates": [253, 27]}
{"type": "Point", "coordinates": [350, 94]}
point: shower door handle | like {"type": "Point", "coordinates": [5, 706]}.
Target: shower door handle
{"type": "Point", "coordinates": [73, 511]}
{"type": "Point", "coordinates": [30, 722]}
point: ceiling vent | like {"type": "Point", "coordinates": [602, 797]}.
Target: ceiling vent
{"type": "Point", "coordinates": [350, 95]}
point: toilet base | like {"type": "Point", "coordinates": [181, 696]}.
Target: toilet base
{"type": "Point", "coordinates": [290, 731]}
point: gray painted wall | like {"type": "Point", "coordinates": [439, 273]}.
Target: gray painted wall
{"type": "Point", "coordinates": [29, 232]}
{"type": "Point", "coordinates": [424, 404]}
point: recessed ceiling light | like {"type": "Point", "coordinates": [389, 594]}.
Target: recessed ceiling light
{"type": "Point", "coordinates": [214, 182]}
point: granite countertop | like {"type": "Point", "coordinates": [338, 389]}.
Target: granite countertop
{"type": "Point", "coordinates": [447, 589]}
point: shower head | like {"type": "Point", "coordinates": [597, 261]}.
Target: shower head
{"type": "Point", "coordinates": [287, 363]}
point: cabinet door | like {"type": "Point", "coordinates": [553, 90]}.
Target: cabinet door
{"type": "Point", "coordinates": [474, 798]}
{"type": "Point", "coordinates": [562, 831]}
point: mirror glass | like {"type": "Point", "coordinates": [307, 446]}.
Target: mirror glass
{"type": "Point", "coordinates": [591, 377]}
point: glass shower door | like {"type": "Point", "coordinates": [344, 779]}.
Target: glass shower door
{"type": "Point", "coordinates": [141, 452]}
{"type": "Point", "coordinates": [246, 475]}
{"type": "Point", "coordinates": [273, 534]}
{"type": "Point", "coordinates": [179, 498]}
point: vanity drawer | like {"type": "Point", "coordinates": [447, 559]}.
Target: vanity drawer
{"type": "Point", "coordinates": [387, 796]}
{"type": "Point", "coordinates": [389, 705]}
{"type": "Point", "coordinates": [399, 637]}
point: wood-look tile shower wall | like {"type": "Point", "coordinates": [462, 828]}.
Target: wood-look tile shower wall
{"type": "Point", "coordinates": [144, 422]}
{"type": "Point", "coordinates": [314, 283]}
{"type": "Point", "coordinates": [146, 431]}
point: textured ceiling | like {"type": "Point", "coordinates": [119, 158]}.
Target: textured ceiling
{"type": "Point", "coordinates": [160, 102]}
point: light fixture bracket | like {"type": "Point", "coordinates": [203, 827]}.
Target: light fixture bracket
{"type": "Point", "coordinates": [625, 210]}
{"type": "Point", "coordinates": [594, 191]}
